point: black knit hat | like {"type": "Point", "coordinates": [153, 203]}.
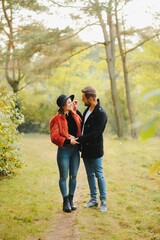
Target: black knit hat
{"type": "Point", "coordinates": [62, 99]}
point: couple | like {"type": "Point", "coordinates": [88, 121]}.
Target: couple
{"type": "Point", "coordinates": [70, 133]}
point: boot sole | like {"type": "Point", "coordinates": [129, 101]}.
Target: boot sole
{"type": "Point", "coordinates": [68, 211]}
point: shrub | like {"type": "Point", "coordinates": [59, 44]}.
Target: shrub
{"type": "Point", "coordinates": [10, 119]}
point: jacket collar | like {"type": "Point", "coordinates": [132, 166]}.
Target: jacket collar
{"type": "Point", "coordinates": [95, 109]}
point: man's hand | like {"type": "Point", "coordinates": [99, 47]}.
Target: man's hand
{"type": "Point", "coordinates": [73, 141]}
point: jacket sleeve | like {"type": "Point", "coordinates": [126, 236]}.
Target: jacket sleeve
{"type": "Point", "coordinates": [97, 129]}
{"type": "Point", "coordinates": [56, 138]}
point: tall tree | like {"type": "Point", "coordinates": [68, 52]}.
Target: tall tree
{"type": "Point", "coordinates": [109, 44]}
{"type": "Point", "coordinates": [9, 10]}
{"type": "Point", "coordinates": [12, 70]}
{"type": "Point", "coordinates": [32, 50]}
{"type": "Point", "coordinates": [123, 54]}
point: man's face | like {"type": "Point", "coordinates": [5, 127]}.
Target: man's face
{"type": "Point", "coordinates": [85, 100]}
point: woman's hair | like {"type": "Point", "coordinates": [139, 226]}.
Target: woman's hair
{"type": "Point", "coordinates": [61, 110]}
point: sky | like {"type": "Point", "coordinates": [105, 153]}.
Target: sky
{"type": "Point", "coordinates": [138, 14]}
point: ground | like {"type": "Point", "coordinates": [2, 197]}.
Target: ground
{"type": "Point", "coordinates": [63, 225]}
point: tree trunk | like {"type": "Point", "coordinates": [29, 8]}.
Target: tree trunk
{"type": "Point", "coordinates": [110, 55]}
{"type": "Point", "coordinates": [12, 70]}
{"type": "Point", "coordinates": [125, 73]}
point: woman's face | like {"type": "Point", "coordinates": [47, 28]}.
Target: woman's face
{"type": "Point", "coordinates": [68, 105]}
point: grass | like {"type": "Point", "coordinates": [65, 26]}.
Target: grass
{"type": "Point", "coordinates": [133, 194]}
{"type": "Point", "coordinates": [30, 199]}
{"type": "Point", "coordinates": [27, 199]}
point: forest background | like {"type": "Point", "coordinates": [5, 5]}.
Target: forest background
{"type": "Point", "coordinates": [43, 57]}
{"type": "Point", "coordinates": [48, 48]}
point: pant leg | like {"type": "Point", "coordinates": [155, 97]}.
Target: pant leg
{"type": "Point", "coordinates": [73, 169]}
{"type": "Point", "coordinates": [98, 169]}
{"type": "Point", "coordinates": [91, 177]}
{"type": "Point", "coordinates": [63, 158]}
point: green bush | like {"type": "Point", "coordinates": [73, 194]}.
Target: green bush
{"type": "Point", "coordinates": [10, 119]}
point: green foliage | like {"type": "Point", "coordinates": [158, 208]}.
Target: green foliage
{"type": "Point", "coordinates": [155, 167]}
{"type": "Point", "coordinates": [90, 68]}
{"type": "Point", "coordinates": [38, 108]}
{"type": "Point", "coordinates": [10, 119]}
{"type": "Point", "coordinates": [150, 126]}
{"type": "Point", "coordinates": [30, 5]}
{"type": "Point", "coordinates": [145, 82]}
{"type": "Point", "coordinates": [39, 101]}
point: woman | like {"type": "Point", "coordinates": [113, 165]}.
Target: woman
{"type": "Point", "coordinates": [64, 127]}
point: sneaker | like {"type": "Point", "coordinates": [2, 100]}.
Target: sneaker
{"type": "Point", "coordinates": [92, 203]}
{"type": "Point", "coordinates": [103, 207]}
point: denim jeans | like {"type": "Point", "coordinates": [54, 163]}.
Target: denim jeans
{"type": "Point", "coordinates": [68, 160]}
{"type": "Point", "coordinates": [94, 170]}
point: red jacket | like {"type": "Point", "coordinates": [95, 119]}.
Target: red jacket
{"type": "Point", "coordinates": [59, 128]}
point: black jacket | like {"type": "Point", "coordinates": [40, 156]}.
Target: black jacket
{"type": "Point", "coordinates": [92, 138]}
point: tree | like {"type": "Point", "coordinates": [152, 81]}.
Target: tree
{"type": "Point", "coordinates": [32, 49]}
{"type": "Point", "coordinates": [123, 54]}
{"type": "Point", "coordinates": [109, 44]}
{"type": "Point", "coordinates": [13, 71]}
{"type": "Point", "coordinates": [10, 119]}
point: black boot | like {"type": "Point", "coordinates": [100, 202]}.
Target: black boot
{"type": "Point", "coordinates": [73, 207]}
{"type": "Point", "coordinates": [66, 205]}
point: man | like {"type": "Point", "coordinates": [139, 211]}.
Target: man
{"type": "Point", "coordinates": [93, 124]}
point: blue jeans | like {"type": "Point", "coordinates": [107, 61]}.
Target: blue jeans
{"type": "Point", "coordinates": [68, 160]}
{"type": "Point", "coordinates": [94, 170]}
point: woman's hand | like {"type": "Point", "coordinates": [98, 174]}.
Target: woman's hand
{"type": "Point", "coordinates": [71, 137]}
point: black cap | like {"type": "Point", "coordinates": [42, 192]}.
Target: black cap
{"type": "Point", "coordinates": [62, 99]}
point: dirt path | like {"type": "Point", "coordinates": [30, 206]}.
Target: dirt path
{"type": "Point", "coordinates": [64, 225]}
{"type": "Point", "coordinates": [64, 228]}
